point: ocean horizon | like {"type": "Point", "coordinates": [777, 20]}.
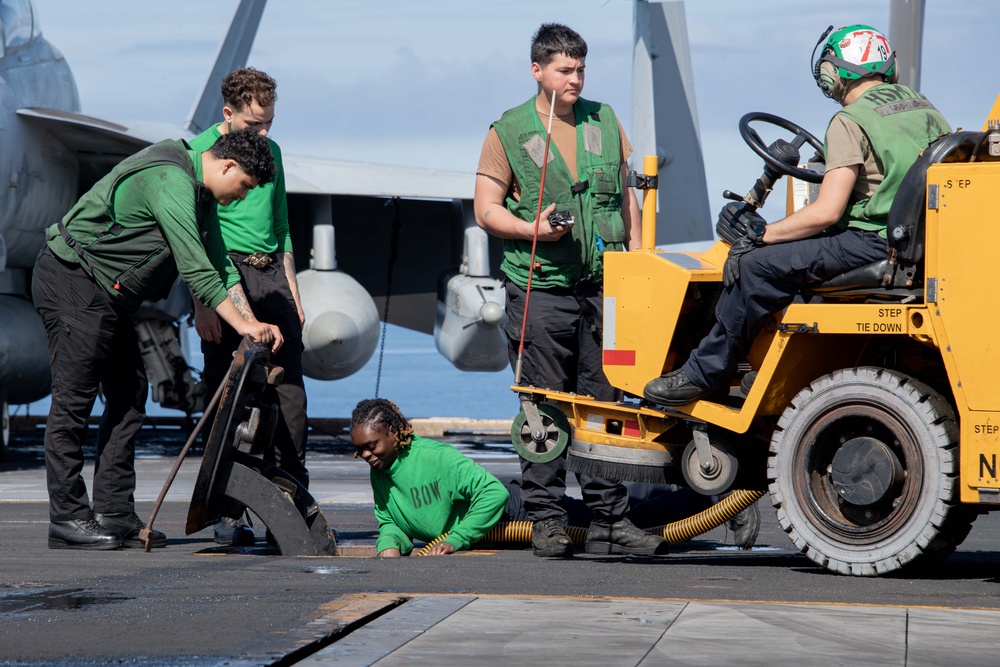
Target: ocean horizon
{"type": "Point", "coordinates": [419, 380]}
{"type": "Point", "coordinates": [414, 376]}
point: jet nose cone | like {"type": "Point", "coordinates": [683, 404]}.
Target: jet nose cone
{"type": "Point", "coordinates": [342, 325]}
{"type": "Point", "coordinates": [491, 314]}
{"type": "Point", "coordinates": [334, 330]}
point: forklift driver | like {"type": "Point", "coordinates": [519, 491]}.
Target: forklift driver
{"type": "Point", "coordinates": [870, 144]}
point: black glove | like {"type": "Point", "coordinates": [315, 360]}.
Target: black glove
{"type": "Point", "coordinates": [743, 245]}
{"type": "Point", "coordinates": [735, 219]}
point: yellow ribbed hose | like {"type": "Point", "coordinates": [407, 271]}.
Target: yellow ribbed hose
{"type": "Point", "coordinates": [512, 532]}
{"type": "Point", "coordinates": [709, 518]}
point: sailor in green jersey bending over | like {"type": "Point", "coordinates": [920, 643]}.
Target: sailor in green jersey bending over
{"type": "Point", "coordinates": [125, 241]}
{"type": "Point", "coordinates": [423, 488]}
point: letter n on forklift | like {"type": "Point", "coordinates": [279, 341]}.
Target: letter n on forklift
{"type": "Point", "coordinates": [988, 467]}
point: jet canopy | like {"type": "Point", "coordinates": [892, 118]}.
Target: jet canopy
{"type": "Point", "coordinates": [17, 23]}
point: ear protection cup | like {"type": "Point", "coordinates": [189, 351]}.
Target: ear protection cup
{"type": "Point", "coordinates": [829, 81]}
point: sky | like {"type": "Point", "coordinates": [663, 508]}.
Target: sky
{"type": "Point", "coordinates": [418, 83]}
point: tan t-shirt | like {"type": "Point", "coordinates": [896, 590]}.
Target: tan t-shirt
{"type": "Point", "coordinates": [848, 145]}
{"type": "Point", "coordinates": [493, 160]}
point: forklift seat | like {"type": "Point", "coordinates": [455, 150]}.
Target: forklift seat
{"type": "Point", "coordinates": [902, 281]}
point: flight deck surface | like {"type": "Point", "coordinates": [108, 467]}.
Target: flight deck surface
{"type": "Point", "coordinates": [707, 603]}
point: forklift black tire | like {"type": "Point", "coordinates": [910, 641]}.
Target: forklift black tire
{"type": "Point", "coordinates": [863, 470]}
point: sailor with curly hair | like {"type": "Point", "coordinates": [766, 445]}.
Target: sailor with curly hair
{"type": "Point", "coordinates": [423, 488]}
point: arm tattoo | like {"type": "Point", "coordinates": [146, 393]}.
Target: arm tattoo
{"type": "Point", "coordinates": [287, 260]}
{"type": "Point", "coordinates": [239, 299]}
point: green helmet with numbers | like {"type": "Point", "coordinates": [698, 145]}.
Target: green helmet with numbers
{"type": "Point", "coordinates": [851, 53]}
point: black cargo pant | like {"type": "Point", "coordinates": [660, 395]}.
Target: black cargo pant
{"type": "Point", "coordinates": [770, 278]}
{"type": "Point", "coordinates": [271, 300]}
{"type": "Point", "coordinates": [650, 504]}
{"type": "Point", "coordinates": [563, 352]}
{"type": "Point", "coordinates": [92, 343]}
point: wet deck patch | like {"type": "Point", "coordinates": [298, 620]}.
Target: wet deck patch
{"type": "Point", "coordinates": [14, 601]}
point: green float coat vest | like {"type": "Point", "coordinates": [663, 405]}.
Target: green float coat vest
{"type": "Point", "coordinates": [595, 201]}
{"type": "Point", "coordinates": [135, 261]}
{"type": "Point", "coordinates": [899, 123]}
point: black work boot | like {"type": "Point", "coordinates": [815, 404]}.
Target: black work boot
{"type": "Point", "coordinates": [745, 527]}
{"type": "Point", "coordinates": [676, 388]}
{"type": "Point", "coordinates": [128, 525]}
{"type": "Point", "coordinates": [233, 533]}
{"type": "Point", "coordinates": [549, 539]}
{"type": "Point", "coordinates": [623, 537]}
{"type": "Point", "coordinates": [82, 534]}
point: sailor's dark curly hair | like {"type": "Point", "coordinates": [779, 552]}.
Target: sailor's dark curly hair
{"type": "Point", "coordinates": [247, 85]}
{"type": "Point", "coordinates": [385, 417]}
{"type": "Point", "coordinates": [551, 39]}
{"type": "Point", "coordinates": [250, 150]}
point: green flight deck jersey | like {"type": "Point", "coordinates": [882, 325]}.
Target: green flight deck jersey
{"type": "Point", "coordinates": [595, 201]}
{"type": "Point", "coordinates": [431, 489]}
{"type": "Point", "coordinates": [144, 222]}
{"type": "Point", "coordinates": [258, 223]}
{"type": "Point", "coordinates": [899, 123]}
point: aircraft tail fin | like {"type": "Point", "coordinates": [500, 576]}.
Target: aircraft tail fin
{"type": "Point", "coordinates": [232, 55]}
{"type": "Point", "coordinates": [665, 120]}
{"type": "Point", "coordinates": [906, 33]}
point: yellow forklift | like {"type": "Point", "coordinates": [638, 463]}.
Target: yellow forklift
{"type": "Point", "coordinates": [867, 409]}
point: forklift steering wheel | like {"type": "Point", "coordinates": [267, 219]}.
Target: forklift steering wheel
{"type": "Point", "coordinates": [757, 145]}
